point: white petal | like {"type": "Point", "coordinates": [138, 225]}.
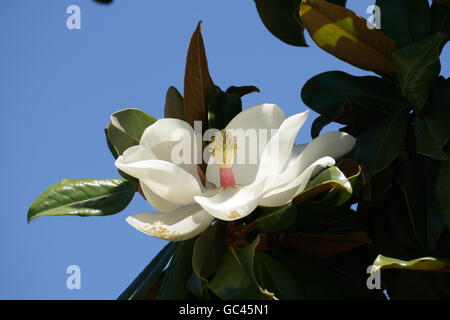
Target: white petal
{"type": "Point", "coordinates": [137, 153]}
{"type": "Point", "coordinates": [296, 151]}
{"type": "Point", "coordinates": [291, 171]}
{"type": "Point", "coordinates": [247, 127]}
{"type": "Point", "coordinates": [175, 141]}
{"type": "Point", "coordinates": [156, 201]}
{"type": "Point", "coordinates": [232, 203]}
{"type": "Point", "coordinates": [165, 179]}
{"type": "Point", "coordinates": [181, 224]}
{"type": "Point", "coordinates": [280, 196]}
{"type": "Point", "coordinates": [333, 144]}
{"type": "Point", "coordinates": [279, 149]}
{"type": "Point", "coordinates": [262, 116]}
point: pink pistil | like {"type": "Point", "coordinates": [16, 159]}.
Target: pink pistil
{"type": "Point", "coordinates": [226, 177]}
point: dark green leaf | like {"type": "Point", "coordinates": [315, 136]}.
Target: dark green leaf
{"type": "Point", "coordinates": [110, 146]}
{"type": "Point", "coordinates": [390, 224]}
{"type": "Point", "coordinates": [174, 104]}
{"type": "Point", "coordinates": [116, 155]}
{"type": "Point", "coordinates": [126, 128]}
{"type": "Point", "coordinates": [378, 185]}
{"type": "Point", "coordinates": [322, 280]}
{"type": "Point", "coordinates": [418, 286]}
{"type": "Point", "coordinates": [85, 197]}
{"type": "Point", "coordinates": [405, 21]}
{"type": "Point", "coordinates": [432, 125]}
{"type": "Point", "coordinates": [378, 146]}
{"type": "Point", "coordinates": [277, 219]}
{"type": "Point", "coordinates": [418, 67]}
{"type": "Point", "coordinates": [328, 244]}
{"type": "Point", "coordinates": [276, 278]}
{"type": "Point", "coordinates": [242, 90]}
{"type": "Point", "coordinates": [235, 278]}
{"type": "Point", "coordinates": [149, 275]}
{"type": "Point", "coordinates": [443, 191]}
{"type": "Point", "coordinates": [412, 182]}
{"type": "Point", "coordinates": [282, 19]}
{"type": "Point", "coordinates": [208, 251]}
{"type": "Point", "coordinates": [178, 272]}
{"type": "Point", "coordinates": [365, 99]}
{"type": "Point", "coordinates": [432, 132]}
{"type": "Point", "coordinates": [324, 119]}
{"type": "Point", "coordinates": [440, 18]}
{"type": "Point", "coordinates": [435, 223]}
{"type": "Point", "coordinates": [222, 108]}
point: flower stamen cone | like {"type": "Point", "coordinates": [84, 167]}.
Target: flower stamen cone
{"type": "Point", "coordinates": [224, 147]}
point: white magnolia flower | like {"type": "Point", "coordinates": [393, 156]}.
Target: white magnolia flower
{"type": "Point", "coordinates": [232, 190]}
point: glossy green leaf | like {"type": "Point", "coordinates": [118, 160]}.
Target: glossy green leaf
{"type": "Point", "coordinates": [329, 178]}
{"type": "Point", "coordinates": [324, 280]}
{"type": "Point", "coordinates": [435, 221]}
{"type": "Point", "coordinates": [367, 98]}
{"type": "Point", "coordinates": [412, 182]}
{"type": "Point", "coordinates": [174, 104]}
{"type": "Point", "coordinates": [116, 155]}
{"type": "Point", "coordinates": [428, 264]}
{"type": "Point", "coordinates": [378, 146]}
{"type": "Point", "coordinates": [391, 224]}
{"type": "Point", "coordinates": [178, 272]}
{"type": "Point", "coordinates": [432, 132]}
{"type": "Point", "coordinates": [405, 21]}
{"type": "Point", "coordinates": [281, 18]}
{"type": "Point", "coordinates": [336, 115]}
{"type": "Point", "coordinates": [418, 67]}
{"type": "Point", "coordinates": [277, 219]}
{"type": "Point", "coordinates": [222, 108]}
{"type": "Point", "coordinates": [440, 18]}
{"type": "Point", "coordinates": [378, 185]}
{"type": "Point", "coordinates": [432, 125]}
{"type": "Point", "coordinates": [235, 278]}
{"type": "Point", "coordinates": [85, 197]}
{"type": "Point", "coordinates": [110, 146]}
{"type": "Point", "coordinates": [443, 191]}
{"type": "Point", "coordinates": [275, 277]}
{"type": "Point", "coordinates": [418, 286]}
{"type": "Point", "coordinates": [149, 275]}
{"type": "Point", "coordinates": [126, 128]}
{"type": "Point", "coordinates": [208, 251]}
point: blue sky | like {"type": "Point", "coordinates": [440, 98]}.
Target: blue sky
{"type": "Point", "coordinates": [58, 88]}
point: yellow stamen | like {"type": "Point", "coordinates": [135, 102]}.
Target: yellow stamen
{"type": "Point", "coordinates": [223, 147]}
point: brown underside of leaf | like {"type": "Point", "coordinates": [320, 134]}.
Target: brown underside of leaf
{"type": "Point", "coordinates": [198, 85]}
